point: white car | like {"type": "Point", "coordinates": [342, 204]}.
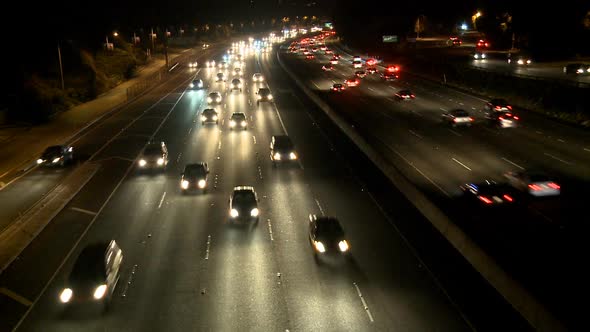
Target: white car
{"type": "Point", "coordinates": [257, 77]}
{"type": "Point", "coordinates": [534, 183]}
{"type": "Point", "coordinates": [210, 64]}
{"type": "Point", "coordinates": [193, 64]}
{"type": "Point", "coordinates": [214, 98]}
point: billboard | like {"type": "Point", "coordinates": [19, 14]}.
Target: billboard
{"type": "Point", "coordinates": [390, 39]}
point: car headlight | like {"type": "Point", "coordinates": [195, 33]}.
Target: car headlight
{"type": "Point", "coordinates": [217, 99]}
{"type": "Point", "coordinates": [292, 156]}
{"type": "Point", "coordinates": [66, 295]}
{"type": "Point", "coordinates": [100, 291]}
{"type": "Point", "coordinates": [254, 212]}
{"type": "Point", "coordinates": [269, 97]}
{"type": "Point", "coordinates": [240, 86]}
{"type": "Point", "coordinates": [483, 56]}
{"type": "Point", "coordinates": [184, 184]}
{"type": "Point", "coordinates": [520, 62]}
{"type": "Point", "coordinates": [259, 97]}
{"type": "Point", "coordinates": [319, 246]}
{"type": "Point", "coordinates": [203, 118]}
{"type": "Point", "coordinates": [202, 183]}
{"type": "Point", "coordinates": [528, 62]}
{"type": "Point", "coordinates": [232, 123]}
{"type": "Point", "coordinates": [39, 161]}
{"type": "Point", "coordinates": [209, 99]}
{"type": "Point", "coordinates": [234, 213]}
{"type": "Point", "coordinates": [343, 245]}
{"type": "Point", "coordinates": [56, 160]}
{"type": "Point", "coordinates": [243, 123]}
{"type": "Point", "coordinates": [142, 162]}
{"type": "Point", "coordinates": [200, 85]}
{"type": "Point", "coordinates": [214, 118]}
{"type": "Point", "coordinates": [277, 156]}
{"type": "Point", "coordinates": [160, 161]}
{"type": "Point", "coordinates": [192, 85]}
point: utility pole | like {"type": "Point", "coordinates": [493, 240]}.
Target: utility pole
{"type": "Point", "coordinates": [152, 38]}
{"type": "Point", "coordinates": [166, 47]}
{"type": "Point", "coordinates": [513, 39]}
{"type": "Point", "coordinates": [61, 70]}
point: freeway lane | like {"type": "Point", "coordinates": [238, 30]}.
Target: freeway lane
{"type": "Point", "coordinates": [545, 234]}
{"type": "Point", "coordinates": [185, 268]}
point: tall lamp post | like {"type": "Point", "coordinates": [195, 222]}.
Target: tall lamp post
{"type": "Point", "coordinates": [474, 19]}
{"type": "Point", "coordinates": [61, 69]}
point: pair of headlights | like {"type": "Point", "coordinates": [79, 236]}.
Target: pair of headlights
{"type": "Point", "coordinates": [342, 245]}
{"type": "Point", "coordinates": [204, 118]}
{"type": "Point", "coordinates": [292, 156]}
{"type": "Point", "coordinates": [201, 184]}
{"type": "Point", "coordinates": [143, 162]}
{"type": "Point", "coordinates": [253, 213]}
{"type": "Point", "coordinates": [233, 123]}
{"type": "Point", "coordinates": [67, 293]}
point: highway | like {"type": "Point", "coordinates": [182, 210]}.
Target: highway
{"type": "Point", "coordinates": [187, 269]}
{"type": "Point", "coordinates": [538, 241]}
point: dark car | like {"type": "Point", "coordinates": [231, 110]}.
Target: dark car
{"type": "Point", "coordinates": [243, 204]}
{"type": "Point", "coordinates": [56, 155]}
{"type": "Point", "coordinates": [327, 236]}
{"type": "Point", "coordinates": [196, 84]}
{"type": "Point", "coordinates": [338, 87]}
{"type": "Point", "coordinates": [209, 115]}
{"type": "Point", "coordinates": [389, 76]}
{"type": "Point", "coordinates": [352, 82]}
{"type": "Point", "coordinates": [263, 94]}
{"type": "Point", "coordinates": [214, 98]}
{"type": "Point", "coordinates": [497, 105]}
{"type": "Point", "coordinates": [576, 68]}
{"type": "Point", "coordinates": [489, 193]}
{"type": "Point", "coordinates": [194, 177]}
{"type": "Point", "coordinates": [372, 70]}
{"type": "Point", "coordinates": [94, 276]}
{"type": "Point", "coordinates": [282, 149]}
{"type": "Point", "coordinates": [238, 120]}
{"type": "Point", "coordinates": [518, 59]}
{"type": "Point", "coordinates": [404, 95]}
{"type": "Point", "coordinates": [454, 41]}
{"type": "Point", "coordinates": [457, 117]}
{"type": "Point", "coordinates": [360, 73]}
{"type": "Point", "coordinates": [154, 156]}
{"type": "Point", "coordinates": [479, 55]}
{"type": "Point", "coordinates": [502, 119]}
{"type": "Point", "coordinates": [535, 183]}
{"type": "Point", "coordinates": [328, 67]}
{"type": "Point", "coordinates": [236, 84]}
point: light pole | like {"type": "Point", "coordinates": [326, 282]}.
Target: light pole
{"type": "Point", "coordinates": [61, 69]}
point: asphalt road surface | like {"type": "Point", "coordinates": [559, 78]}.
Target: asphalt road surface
{"type": "Point", "coordinates": [540, 241]}
{"type": "Point", "coordinates": [186, 268]}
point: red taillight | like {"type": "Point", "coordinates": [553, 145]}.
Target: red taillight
{"type": "Point", "coordinates": [509, 107]}
{"type": "Point", "coordinates": [454, 119]}
{"type": "Point", "coordinates": [515, 117]}
{"type": "Point", "coordinates": [508, 198]}
{"type": "Point", "coordinates": [498, 107]}
{"type": "Point", "coordinates": [534, 187]}
{"type": "Point", "coordinates": [501, 118]}
{"type": "Point", "coordinates": [471, 119]}
{"type": "Point", "coordinates": [412, 96]}
{"type": "Point", "coordinates": [485, 199]}
{"type": "Point", "coordinates": [553, 185]}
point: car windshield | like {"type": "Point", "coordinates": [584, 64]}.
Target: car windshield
{"type": "Point", "coordinates": [89, 266]}
{"type": "Point", "coordinates": [193, 171]}
{"type": "Point", "coordinates": [329, 228]}
{"type": "Point", "coordinates": [238, 116]}
{"type": "Point", "coordinates": [283, 143]}
{"type": "Point", "coordinates": [214, 95]}
{"type": "Point", "coordinates": [52, 150]}
{"type": "Point", "coordinates": [242, 197]}
{"type": "Point", "coordinates": [405, 92]}
{"type": "Point", "coordinates": [492, 189]}
{"type": "Point", "coordinates": [196, 81]}
{"type": "Point", "coordinates": [235, 81]}
{"type": "Point", "coordinates": [220, 75]}
{"type": "Point", "coordinates": [153, 149]}
{"type": "Point", "coordinates": [264, 92]}
{"type": "Point", "coordinates": [209, 112]}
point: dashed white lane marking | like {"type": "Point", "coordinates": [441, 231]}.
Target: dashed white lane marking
{"type": "Point", "coordinates": [556, 158]}
{"type": "Point", "coordinates": [416, 113]}
{"type": "Point", "coordinates": [319, 207]}
{"type": "Point", "coordinates": [371, 89]}
{"type": "Point", "coordinates": [513, 163]}
{"type": "Point", "coordinates": [460, 163]}
{"type": "Point", "coordinates": [415, 134]}
{"type": "Point", "coordinates": [18, 298]}
{"type": "Point", "coordinates": [129, 281]}
{"type": "Point", "coordinates": [560, 140]}
{"type": "Point", "coordinates": [208, 249]}
{"type": "Point", "coordinates": [421, 173]}
{"type": "Point", "coordinates": [162, 200]}
{"type": "Point", "coordinates": [461, 104]}
{"type": "Point", "coordinates": [270, 230]}
{"type": "Point", "coordinates": [189, 130]}
{"type": "Point", "coordinates": [314, 83]}
{"type": "Point", "coordinates": [443, 109]}
{"type": "Point", "coordinates": [92, 213]}
{"type": "Point", "coordinates": [219, 146]}
{"type": "Point", "coordinates": [178, 159]}
{"type": "Point", "coordinates": [365, 306]}
{"type": "Point", "coordinates": [586, 149]}
{"type": "Point", "coordinates": [539, 132]}
{"type": "Point", "coordinates": [254, 138]}
{"type": "Point", "coordinates": [454, 132]}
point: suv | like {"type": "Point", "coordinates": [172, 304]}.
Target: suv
{"type": "Point", "coordinates": [282, 149]}
{"type": "Point", "coordinates": [56, 155]}
{"type": "Point", "coordinates": [154, 155]}
{"type": "Point", "coordinates": [236, 84]}
{"type": "Point", "coordinates": [94, 276]}
{"type": "Point", "coordinates": [238, 120]}
{"type": "Point", "coordinates": [243, 204]}
{"type": "Point", "coordinates": [263, 95]}
{"type": "Point", "coordinates": [209, 115]}
{"type": "Point", "coordinates": [194, 176]}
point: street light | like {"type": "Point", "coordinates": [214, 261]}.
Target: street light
{"type": "Point", "coordinates": [116, 34]}
{"type": "Point", "coordinates": [474, 18]}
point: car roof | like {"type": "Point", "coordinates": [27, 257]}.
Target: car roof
{"type": "Point", "coordinates": [209, 110]}
{"type": "Point", "coordinates": [263, 90]}
{"type": "Point", "coordinates": [238, 114]}
{"type": "Point", "coordinates": [90, 263]}
{"type": "Point", "coordinates": [236, 80]}
{"type": "Point", "coordinates": [488, 186]}
{"type": "Point", "coordinates": [214, 93]}
{"type": "Point", "coordinates": [243, 188]}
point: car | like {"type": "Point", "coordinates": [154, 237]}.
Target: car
{"type": "Point", "coordinates": [498, 105]}
{"type": "Point", "coordinates": [482, 44]}
{"type": "Point", "coordinates": [372, 70]}
{"type": "Point", "coordinates": [576, 68]}
{"type": "Point", "coordinates": [337, 87]}
{"type": "Point", "coordinates": [196, 84]}
{"type": "Point", "coordinates": [357, 64]}
{"type": "Point", "coordinates": [238, 71]}
{"type": "Point", "coordinates": [535, 183]}
{"type": "Point", "coordinates": [282, 149]}
{"type": "Point", "coordinates": [223, 65]}
{"type": "Point", "coordinates": [310, 57]}
{"type": "Point", "coordinates": [209, 115]}
{"type": "Point", "coordinates": [478, 55]}
{"type": "Point", "coordinates": [326, 236]}
{"type": "Point", "coordinates": [194, 177]}
{"type": "Point", "coordinates": [329, 51]}
{"type": "Point", "coordinates": [328, 67]}
{"type": "Point", "coordinates": [221, 77]}
{"type": "Point", "coordinates": [214, 98]}
{"type": "Point", "coordinates": [371, 62]}
{"type": "Point", "coordinates": [356, 58]}
{"type": "Point", "coordinates": [56, 155]}
{"type": "Point", "coordinates": [238, 120]}
{"type": "Point", "coordinates": [457, 117]}
{"type": "Point", "coordinates": [236, 84]}
{"type": "Point", "coordinates": [488, 193]}
{"type": "Point", "coordinates": [334, 61]}
{"type": "Point", "coordinates": [323, 48]}
{"type": "Point", "coordinates": [257, 77]}
{"type": "Point", "coordinates": [153, 156]}
{"type": "Point", "coordinates": [336, 56]}
{"type": "Point", "coordinates": [193, 64]}
{"type": "Point", "coordinates": [352, 82]}
{"type": "Point", "coordinates": [454, 41]}
{"type": "Point", "coordinates": [404, 95]}
{"type": "Point", "coordinates": [521, 60]}
{"type": "Point", "coordinates": [263, 94]}
{"type": "Point", "coordinates": [502, 119]}
{"type": "Point", "coordinates": [205, 46]}
{"type": "Point", "coordinates": [393, 69]}
{"type": "Point", "coordinates": [94, 276]}
{"type": "Point", "coordinates": [210, 64]}
{"type": "Point", "coordinates": [314, 49]}
{"type": "Point", "coordinates": [389, 76]}
{"type": "Point", "coordinates": [243, 204]}
{"type": "Point", "coordinates": [360, 73]}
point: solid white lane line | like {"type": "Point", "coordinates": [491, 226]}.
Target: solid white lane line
{"type": "Point", "coordinates": [162, 200]}
{"type": "Point", "coordinates": [254, 138]}
{"type": "Point", "coordinates": [319, 207]}
{"type": "Point", "coordinates": [513, 163]}
{"type": "Point", "coordinates": [454, 132]}
{"type": "Point", "coordinates": [18, 298]}
{"type": "Point", "coordinates": [208, 249]}
{"type": "Point", "coordinates": [365, 306]}
{"type": "Point", "coordinates": [554, 157]}
{"type": "Point", "coordinates": [586, 149]}
{"type": "Point", "coordinates": [415, 134]}
{"type": "Point", "coordinates": [443, 109]}
{"type": "Point", "coordinates": [270, 230]}
{"type": "Point", "coordinates": [92, 213]}
{"type": "Point", "coordinates": [460, 163]}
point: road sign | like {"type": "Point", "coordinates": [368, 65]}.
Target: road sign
{"type": "Point", "coordinates": [390, 39]}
